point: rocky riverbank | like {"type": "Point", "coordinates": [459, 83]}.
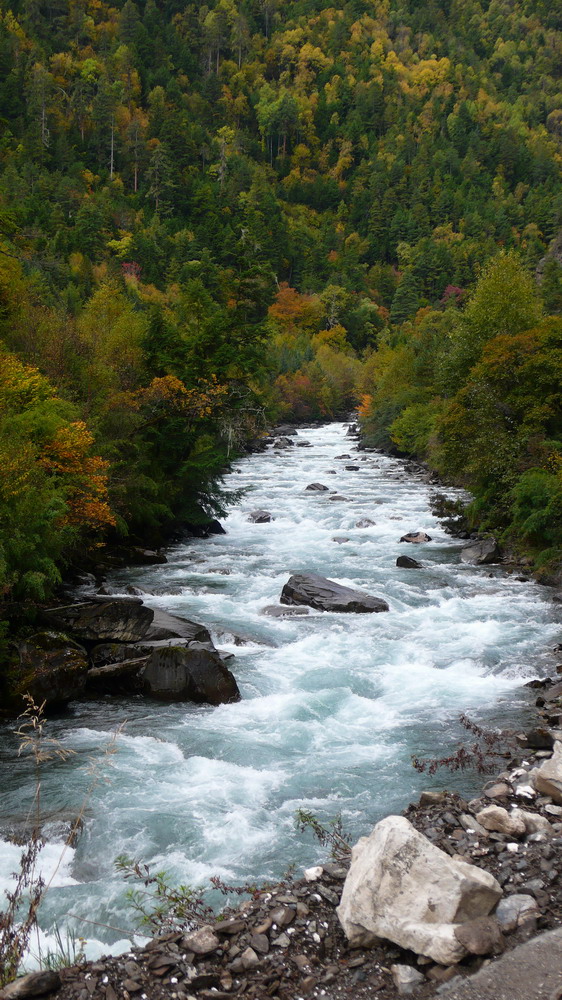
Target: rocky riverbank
{"type": "Point", "coordinates": [287, 941]}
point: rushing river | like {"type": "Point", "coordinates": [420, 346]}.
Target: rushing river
{"type": "Point", "coordinates": [333, 706]}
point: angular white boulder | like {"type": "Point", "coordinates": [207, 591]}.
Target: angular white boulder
{"type": "Point", "coordinates": [402, 888]}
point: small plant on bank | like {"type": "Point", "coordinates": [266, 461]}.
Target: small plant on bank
{"type": "Point", "coordinates": [18, 921]}
{"type": "Point", "coordinates": [481, 756]}
{"type": "Point", "coordinates": [161, 906]}
{"type": "Point", "coordinates": [332, 836]}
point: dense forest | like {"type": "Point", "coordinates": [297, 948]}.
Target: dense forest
{"type": "Point", "coordinates": [217, 215]}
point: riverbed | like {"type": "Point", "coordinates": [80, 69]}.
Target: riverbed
{"type": "Point", "coordinates": [333, 705]}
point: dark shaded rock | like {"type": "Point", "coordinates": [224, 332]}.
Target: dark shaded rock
{"type": "Point", "coordinates": [343, 456]}
{"type": "Point", "coordinates": [416, 537]}
{"type": "Point", "coordinates": [340, 539]}
{"type": "Point", "coordinates": [214, 527]}
{"type": "Point", "coordinates": [327, 595]}
{"type": "Point", "coordinates": [146, 557]}
{"type": "Point", "coordinates": [120, 678]}
{"type": "Point", "coordinates": [406, 563]}
{"type": "Point", "coordinates": [479, 553]}
{"type": "Point", "coordinates": [283, 442]}
{"type": "Point", "coordinates": [365, 522]}
{"type": "Point", "coordinates": [481, 936]}
{"type": "Point", "coordinates": [125, 620]}
{"type": "Point", "coordinates": [260, 517]}
{"type": "Point", "coordinates": [338, 496]}
{"type": "Point", "coordinates": [53, 669]}
{"type": "Point", "coordinates": [352, 468]}
{"type": "Point", "coordinates": [179, 674]}
{"type": "Point", "coordinates": [317, 487]}
{"type": "Point", "coordinates": [166, 626]}
{"type": "Point", "coordinates": [277, 611]}
{"type": "Point", "coordinates": [540, 738]}
{"type": "Point", "coordinates": [36, 984]}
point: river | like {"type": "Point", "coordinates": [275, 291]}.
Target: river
{"type": "Point", "coordinates": [333, 706]}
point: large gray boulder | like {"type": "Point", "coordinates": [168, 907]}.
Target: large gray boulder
{"type": "Point", "coordinates": [122, 620]}
{"type": "Point", "coordinates": [404, 889]}
{"type": "Point", "coordinates": [188, 674]}
{"type": "Point", "coordinates": [327, 595]}
{"type": "Point", "coordinates": [481, 552]}
{"type": "Point", "coordinates": [53, 669]}
{"type": "Point", "coordinates": [260, 517]}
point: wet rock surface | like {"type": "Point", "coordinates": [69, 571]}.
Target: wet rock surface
{"type": "Point", "coordinates": [327, 595]}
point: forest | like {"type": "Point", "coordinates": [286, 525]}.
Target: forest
{"type": "Point", "coordinates": [216, 216]}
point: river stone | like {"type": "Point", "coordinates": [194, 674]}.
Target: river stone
{"type": "Point", "coordinates": [177, 674]}
{"type": "Point", "coordinates": [124, 620]}
{"type": "Point", "coordinates": [404, 889]}
{"type": "Point", "coordinates": [481, 552]}
{"type": "Point", "coordinates": [317, 487]}
{"type": "Point", "coordinates": [260, 517]}
{"type": "Point", "coordinates": [53, 669]}
{"type": "Point", "coordinates": [416, 537]}
{"type": "Point", "coordinates": [365, 522]}
{"type": "Point", "coordinates": [513, 911]}
{"type": "Point", "coordinates": [534, 822]}
{"type": "Point", "coordinates": [548, 777]}
{"type": "Point", "coordinates": [498, 820]}
{"type": "Point", "coordinates": [202, 941]}
{"type": "Point", "coordinates": [327, 595]}
{"type": "Point", "coordinates": [35, 984]}
{"type": "Point", "coordinates": [404, 562]}
{"type": "Point", "coordinates": [283, 442]}
{"type": "Point", "coordinates": [406, 978]}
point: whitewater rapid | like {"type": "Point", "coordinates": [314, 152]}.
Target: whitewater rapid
{"type": "Point", "coordinates": [333, 705]}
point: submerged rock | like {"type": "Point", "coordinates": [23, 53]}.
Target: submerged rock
{"type": "Point", "coordinates": [260, 517]}
{"type": "Point", "coordinates": [327, 595]}
{"type": "Point", "coordinates": [402, 888]}
{"type": "Point", "coordinates": [365, 522]}
{"type": "Point", "coordinates": [405, 562]}
{"type": "Point", "coordinates": [278, 611]}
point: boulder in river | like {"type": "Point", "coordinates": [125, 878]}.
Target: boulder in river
{"type": "Point", "coordinates": [123, 620]}
{"type": "Point", "coordinates": [317, 487]}
{"type": "Point", "coordinates": [53, 669]}
{"type": "Point", "coordinates": [327, 595]}
{"type": "Point", "coordinates": [283, 442]}
{"type": "Point", "coordinates": [338, 496]}
{"type": "Point", "coordinates": [260, 517]}
{"type": "Point", "coordinates": [404, 562]}
{"type": "Point", "coordinates": [365, 522]}
{"type": "Point", "coordinates": [404, 889]}
{"type": "Point", "coordinates": [178, 674]}
{"type": "Point", "coordinates": [481, 552]}
{"type": "Point", "coordinates": [352, 468]}
{"type": "Point", "coordinates": [416, 537]}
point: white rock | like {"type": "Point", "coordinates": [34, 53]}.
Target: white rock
{"type": "Point", "coordinates": [313, 874]}
{"type": "Point", "coordinates": [406, 978]}
{"type": "Point", "coordinates": [498, 819]}
{"type": "Point", "coordinates": [534, 822]}
{"type": "Point", "coordinates": [402, 888]}
{"type": "Point", "coordinates": [548, 777]}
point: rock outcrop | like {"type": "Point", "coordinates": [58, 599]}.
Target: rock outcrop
{"type": "Point", "coordinates": [53, 669]}
{"type": "Point", "coordinates": [176, 673]}
{"type": "Point", "coordinates": [402, 888]}
{"type": "Point", "coordinates": [327, 595]}
{"type": "Point", "coordinates": [124, 620]}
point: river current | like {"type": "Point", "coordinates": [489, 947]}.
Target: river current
{"type": "Point", "coordinates": [333, 705]}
